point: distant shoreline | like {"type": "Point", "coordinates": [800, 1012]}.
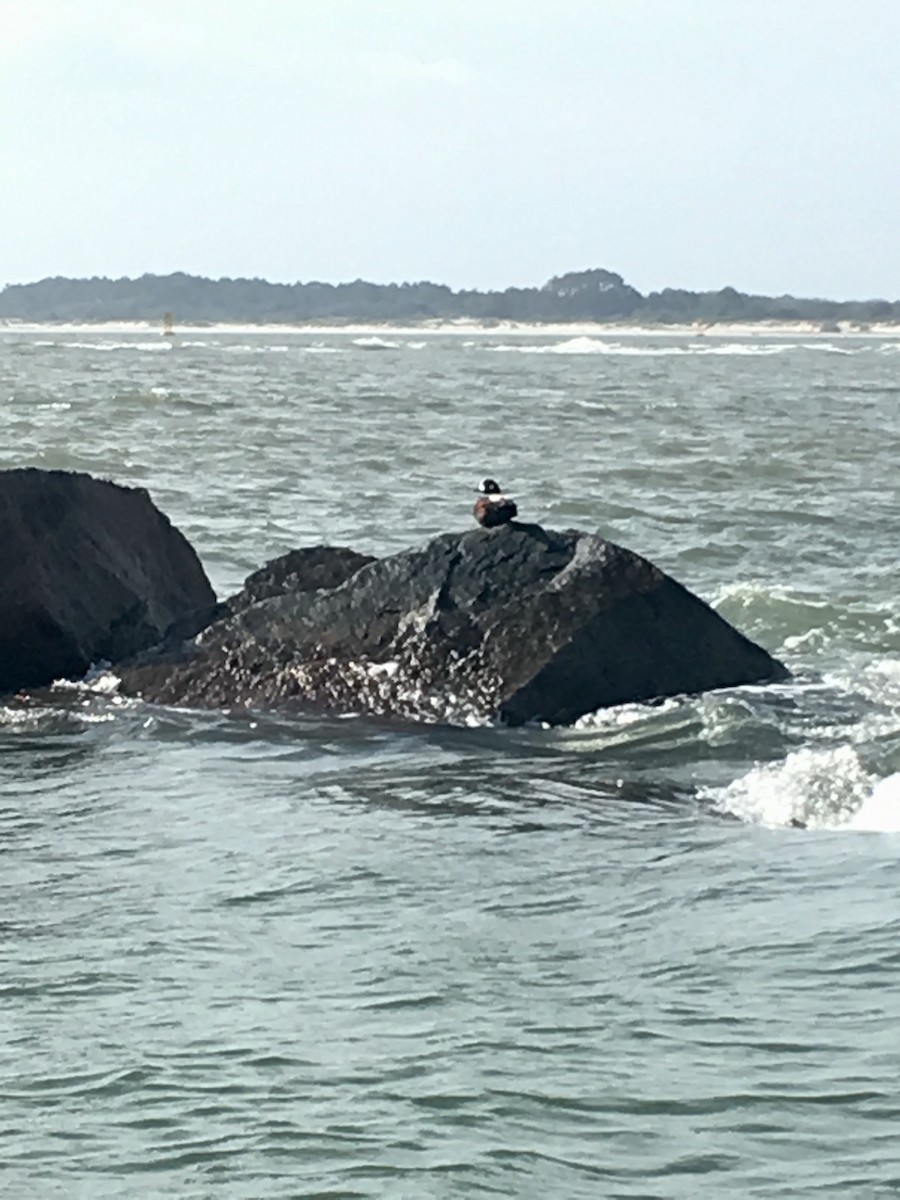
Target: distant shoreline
{"type": "Point", "coordinates": [578, 299]}
{"type": "Point", "coordinates": [475, 328]}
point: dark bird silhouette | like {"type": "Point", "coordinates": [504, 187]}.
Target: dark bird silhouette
{"type": "Point", "coordinates": [492, 507]}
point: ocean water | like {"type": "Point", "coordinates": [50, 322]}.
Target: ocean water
{"type": "Point", "coordinates": [656, 955]}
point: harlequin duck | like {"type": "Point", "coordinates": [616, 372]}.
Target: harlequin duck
{"type": "Point", "coordinates": [492, 507]}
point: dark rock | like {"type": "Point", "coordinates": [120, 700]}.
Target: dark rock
{"type": "Point", "coordinates": [89, 570]}
{"type": "Point", "coordinates": [308, 570]}
{"type": "Point", "coordinates": [517, 623]}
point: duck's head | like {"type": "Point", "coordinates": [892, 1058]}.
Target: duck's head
{"type": "Point", "coordinates": [489, 487]}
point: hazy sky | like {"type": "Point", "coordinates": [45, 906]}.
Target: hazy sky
{"type": "Point", "coordinates": [480, 143]}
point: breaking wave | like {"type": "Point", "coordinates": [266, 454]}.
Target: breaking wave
{"type": "Point", "coordinates": [375, 343]}
{"type": "Point", "coordinates": [813, 789]}
{"type": "Point", "coordinates": [696, 348]}
{"type": "Point", "coordinates": [108, 347]}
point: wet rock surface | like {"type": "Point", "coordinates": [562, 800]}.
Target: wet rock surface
{"type": "Point", "coordinates": [307, 570]}
{"type": "Point", "coordinates": [89, 571]}
{"type": "Point", "coordinates": [516, 624]}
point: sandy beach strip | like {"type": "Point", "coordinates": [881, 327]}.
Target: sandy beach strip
{"type": "Point", "coordinates": [470, 328]}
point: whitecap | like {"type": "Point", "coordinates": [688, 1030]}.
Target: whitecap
{"type": "Point", "coordinates": [826, 348]}
{"type": "Point", "coordinates": [375, 343]}
{"type": "Point", "coordinates": [590, 345]}
{"type": "Point", "coordinates": [743, 349]}
{"type": "Point", "coordinates": [816, 788]}
{"type": "Point", "coordinates": [107, 347]}
{"type": "Point", "coordinates": [579, 345]}
{"type": "Point", "coordinates": [880, 812]}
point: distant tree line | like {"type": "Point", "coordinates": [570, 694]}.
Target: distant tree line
{"type": "Point", "coordinates": [595, 295]}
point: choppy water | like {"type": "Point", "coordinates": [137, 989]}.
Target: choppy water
{"type": "Point", "coordinates": [277, 958]}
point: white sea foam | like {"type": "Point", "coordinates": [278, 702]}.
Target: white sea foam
{"type": "Point", "coordinates": [108, 347]}
{"type": "Point", "coordinates": [586, 345]}
{"type": "Point", "coordinates": [472, 326]}
{"type": "Point", "coordinates": [577, 345]}
{"type": "Point", "coordinates": [99, 680]}
{"type": "Point", "coordinates": [622, 716]}
{"type": "Point", "coordinates": [28, 716]}
{"type": "Point", "coordinates": [880, 812]}
{"type": "Point", "coordinates": [592, 345]}
{"type": "Point", "coordinates": [818, 788]}
{"type": "Point", "coordinates": [579, 338]}
{"type": "Point", "coordinates": [632, 728]}
{"type": "Point", "coordinates": [375, 343]}
{"type": "Point", "coordinates": [742, 349]}
{"type": "Point", "coordinates": [42, 719]}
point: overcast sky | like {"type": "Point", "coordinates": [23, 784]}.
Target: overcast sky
{"type": "Point", "coordinates": [480, 143]}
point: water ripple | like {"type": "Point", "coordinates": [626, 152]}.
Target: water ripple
{"type": "Point", "coordinates": [654, 955]}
